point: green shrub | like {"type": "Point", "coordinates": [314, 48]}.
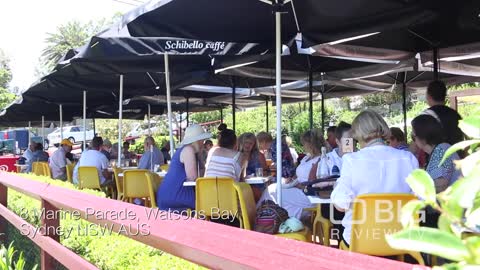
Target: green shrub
{"type": "Point", "coordinates": [107, 250]}
{"type": "Point", "coordinates": [159, 140]}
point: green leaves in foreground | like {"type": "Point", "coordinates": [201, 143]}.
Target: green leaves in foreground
{"type": "Point", "coordinates": [7, 259]}
{"type": "Point", "coordinates": [458, 146]}
{"type": "Point", "coordinates": [409, 214]}
{"type": "Point", "coordinates": [431, 241]}
{"type": "Point", "coordinates": [422, 184]}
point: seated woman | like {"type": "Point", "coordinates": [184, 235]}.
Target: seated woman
{"type": "Point", "coordinates": [265, 141]}
{"type": "Point", "coordinates": [247, 145]}
{"type": "Point", "coordinates": [375, 168]}
{"type": "Point", "coordinates": [428, 136]}
{"type": "Point", "coordinates": [223, 160]}
{"type": "Point", "coordinates": [254, 159]}
{"type": "Point", "coordinates": [293, 199]}
{"type": "Point", "coordinates": [172, 195]}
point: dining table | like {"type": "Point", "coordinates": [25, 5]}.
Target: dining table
{"type": "Point", "coordinates": [256, 180]}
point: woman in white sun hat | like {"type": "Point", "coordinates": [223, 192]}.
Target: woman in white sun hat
{"type": "Point", "coordinates": [172, 195]}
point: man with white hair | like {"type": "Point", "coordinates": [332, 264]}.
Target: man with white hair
{"type": "Point", "coordinates": [152, 155]}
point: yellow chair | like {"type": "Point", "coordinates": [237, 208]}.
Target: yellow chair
{"type": "Point", "coordinates": [320, 225]}
{"type": "Point", "coordinates": [46, 169]}
{"type": "Point", "coordinates": [165, 167]}
{"type": "Point", "coordinates": [153, 183]}
{"type": "Point", "coordinates": [38, 168]}
{"type": "Point", "coordinates": [377, 215]}
{"type": "Point", "coordinates": [69, 169]}
{"type": "Point", "coordinates": [118, 182]}
{"type": "Point", "coordinates": [249, 212]}
{"type": "Point", "coordinates": [88, 177]}
{"type": "Point", "coordinates": [215, 195]}
{"type": "Point", "coordinates": [136, 184]}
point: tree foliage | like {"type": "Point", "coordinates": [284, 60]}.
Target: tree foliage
{"type": "Point", "coordinates": [5, 77]}
{"type": "Point", "coordinates": [68, 36]}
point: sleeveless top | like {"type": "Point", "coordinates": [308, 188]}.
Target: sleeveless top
{"type": "Point", "coordinates": [218, 166]}
{"type": "Point", "coordinates": [172, 195]}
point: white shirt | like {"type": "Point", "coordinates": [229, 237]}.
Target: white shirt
{"type": "Point", "coordinates": [57, 162]}
{"type": "Point", "coordinates": [92, 158]}
{"type": "Point", "coordinates": [303, 169]}
{"type": "Point", "coordinates": [28, 155]}
{"type": "Point", "coordinates": [374, 169]}
{"type": "Point", "coordinates": [334, 160]}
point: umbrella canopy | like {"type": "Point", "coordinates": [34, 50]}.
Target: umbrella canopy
{"type": "Point", "coordinates": [253, 20]}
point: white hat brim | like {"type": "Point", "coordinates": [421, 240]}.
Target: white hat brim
{"type": "Point", "coordinates": [189, 140]}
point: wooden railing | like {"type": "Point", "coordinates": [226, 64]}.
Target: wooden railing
{"type": "Point", "coordinates": [204, 243]}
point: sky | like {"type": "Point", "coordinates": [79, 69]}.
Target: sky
{"type": "Point", "coordinates": [25, 23]}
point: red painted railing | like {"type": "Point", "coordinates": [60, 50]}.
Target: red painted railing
{"type": "Point", "coordinates": [207, 244]}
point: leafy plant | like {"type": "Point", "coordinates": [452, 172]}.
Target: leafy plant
{"type": "Point", "coordinates": [7, 259]}
{"type": "Point", "coordinates": [458, 235]}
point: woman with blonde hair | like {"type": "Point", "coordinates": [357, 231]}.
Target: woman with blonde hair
{"type": "Point", "coordinates": [293, 198]}
{"type": "Point", "coordinates": [248, 146]}
{"type": "Point", "coordinates": [375, 168]}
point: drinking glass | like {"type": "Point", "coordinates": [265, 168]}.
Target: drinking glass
{"type": "Point", "coordinates": [259, 172]}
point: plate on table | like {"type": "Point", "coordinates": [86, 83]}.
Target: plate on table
{"type": "Point", "coordinates": [257, 180]}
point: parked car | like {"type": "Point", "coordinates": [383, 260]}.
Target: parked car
{"type": "Point", "coordinates": [73, 133]}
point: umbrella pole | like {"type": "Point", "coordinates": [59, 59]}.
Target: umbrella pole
{"type": "Point", "coordinates": [60, 109]}
{"type": "Point", "coordinates": [221, 115]}
{"type": "Point", "coordinates": [148, 119]}
{"type": "Point", "coordinates": [404, 107]}
{"type": "Point", "coordinates": [323, 113]}
{"type": "Point", "coordinates": [180, 128]}
{"type": "Point", "coordinates": [43, 131]}
{"type": "Point", "coordinates": [435, 63]}
{"type": "Point", "coordinates": [233, 104]}
{"type": "Point", "coordinates": [29, 128]}
{"type": "Point", "coordinates": [278, 92]}
{"type": "Point", "coordinates": [84, 120]}
{"type": "Point", "coordinates": [169, 104]}
{"type": "Point", "coordinates": [120, 116]}
{"type": "Point", "coordinates": [310, 97]}
{"type": "Point", "coordinates": [188, 110]}
{"type": "Point", "coordinates": [266, 113]}
{"type": "Point", "coordinates": [94, 128]}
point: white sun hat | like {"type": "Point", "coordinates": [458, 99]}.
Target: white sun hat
{"type": "Point", "coordinates": [195, 133]}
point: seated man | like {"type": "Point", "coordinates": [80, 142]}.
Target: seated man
{"type": "Point", "coordinates": [335, 156]}
{"type": "Point", "coordinates": [152, 156]}
{"type": "Point", "coordinates": [58, 161]}
{"type": "Point", "coordinates": [28, 154]}
{"type": "Point", "coordinates": [166, 152]}
{"type": "Point", "coordinates": [38, 156]}
{"type": "Point", "coordinates": [93, 157]}
{"type": "Point", "coordinates": [107, 148]}
{"type": "Point", "coordinates": [126, 151]}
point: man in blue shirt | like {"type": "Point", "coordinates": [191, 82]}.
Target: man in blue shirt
{"type": "Point", "coordinates": [38, 156]}
{"type": "Point", "coordinates": [152, 155]}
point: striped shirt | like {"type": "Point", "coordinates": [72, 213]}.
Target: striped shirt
{"type": "Point", "coordinates": [220, 166]}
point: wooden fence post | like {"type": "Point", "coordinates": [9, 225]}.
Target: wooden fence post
{"type": "Point", "coordinates": [3, 222]}
{"type": "Point", "coordinates": [50, 224]}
